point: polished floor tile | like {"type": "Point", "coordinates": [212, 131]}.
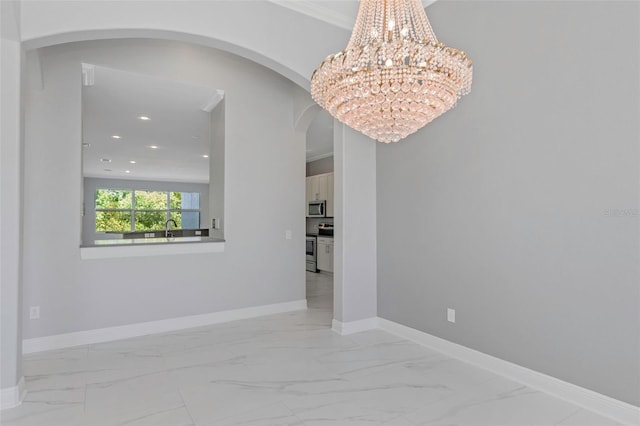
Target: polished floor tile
{"type": "Point", "coordinates": [586, 418]}
{"type": "Point", "coordinates": [287, 369]}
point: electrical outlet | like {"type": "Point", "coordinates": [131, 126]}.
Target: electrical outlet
{"type": "Point", "coordinates": [34, 312]}
{"type": "Point", "coordinates": [451, 315]}
{"type": "Point", "coordinates": [287, 234]}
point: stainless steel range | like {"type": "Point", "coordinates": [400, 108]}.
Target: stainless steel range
{"type": "Point", "coordinates": [312, 245]}
{"type": "Point", "coordinates": [325, 229]}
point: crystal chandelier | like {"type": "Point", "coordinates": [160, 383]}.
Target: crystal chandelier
{"type": "Point", "coordinates": [394, 77]}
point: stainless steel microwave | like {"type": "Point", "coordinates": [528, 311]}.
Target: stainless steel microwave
{"type": "Point", "coordinates": [316, 208]}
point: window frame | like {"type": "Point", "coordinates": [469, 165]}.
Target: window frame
{"type": "Point", "coordinates": [132, 211]}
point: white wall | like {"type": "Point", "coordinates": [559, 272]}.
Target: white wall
{"type": "Point", "coordinates": [288, 42]}
{"type": "Point", "coordinates": [320, 137]}
{"type": "Point", "coordinates": [503, 208]}
{"type": "Point", "coordinates": [258, 266]}
{"type": "Point", "coordinates": [217, 171]}
{"type": "Point", "coordinates": [92, 184]}
{"type": "Point", "coordinates": [10, 193]}
{"type": "Point", "coordinates": [355, 249]}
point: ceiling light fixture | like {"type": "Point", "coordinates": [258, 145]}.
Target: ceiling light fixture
{"type": "Point", "coordinates": [153, 146]}
{"type": "Point", "coordinates": [127, 171]}
{"type": "Point", "coordinates": [394, 77]}
{"type": "Point", "coordinates": [86, 145]}
{"type": "Point", "coordinates": [116, 137]}
{"type": "Point", "coordinates": [105, 160]}
{"type": "Point", "coordinates": [205, 156]}
{"type": "Point", "coordinates": [132, 162]}
{"type": "Point", "coordinates": [144, 118]}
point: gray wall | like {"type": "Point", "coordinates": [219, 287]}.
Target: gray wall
{"type": "Point", "coordinates": [258, 266]}
{"type": "Point", "coordinates": [318, 167]}
{"type": "Point", "coordinates": [505, 207]}
{"type": "Point", "coordinates": [320, 135]}
{"type": "Point", "coordinates": [92, 184]}
{"type": "Point", "coordinates": [11, 152]}
{"type": "Point", "coordinates": [217, 171]}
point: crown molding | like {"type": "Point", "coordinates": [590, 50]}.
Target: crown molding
{"type": "Point", "coordinates": [319, 157]}
{"type": "Point", "coordinates": [324, 13]}
{"type": "Point", "coordinates": [317, 11]}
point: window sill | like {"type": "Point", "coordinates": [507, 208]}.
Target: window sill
{"type": "Point", "coordinates": [108, 249]}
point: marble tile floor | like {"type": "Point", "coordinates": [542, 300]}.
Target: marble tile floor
{"type": "Point", "coordinates": [286, 369]}
{"type": "Point", "coordinates": [320, 290]}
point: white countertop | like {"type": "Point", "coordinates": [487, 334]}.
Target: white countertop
{"type": "Point", "coordinates": [104, 249]}
{"type": "Point", "coordinates": [134, 241]}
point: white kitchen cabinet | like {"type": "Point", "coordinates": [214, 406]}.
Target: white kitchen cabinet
{"type": "Point", "coordinates": [323, 190]}
{"type": "Point", "coordinates": [325, 254]}
{"type": "Point", "coordinates": [330, 195]}
{"type": "Point", "coordinates": [312, 191]}
{"type": "Point", "coordinates": [320, 187]}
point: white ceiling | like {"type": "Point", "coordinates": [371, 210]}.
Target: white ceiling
{"type": "Point", "coordinates": [178, 126]}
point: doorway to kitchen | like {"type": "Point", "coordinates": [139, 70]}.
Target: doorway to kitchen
{"type": "Point", "coordinates": [319, 212]}
{"type": "Point", "coordinates": [320, 291]}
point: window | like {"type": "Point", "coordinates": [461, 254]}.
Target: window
{"type": "Point", "coordinates": [126, 210]}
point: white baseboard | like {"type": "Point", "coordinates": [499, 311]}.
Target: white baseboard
{"type": "Point", "coordinates": [344, 328]}
{"type": "Point", "coordinates": [609, 407]}
{"type": "Point", "coordinates": [100, 335]}
{"type": "Point", "coordinates": [13, 396]}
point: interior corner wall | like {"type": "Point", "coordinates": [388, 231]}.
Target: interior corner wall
{"type": "Point", "coordinates": [519, 208]}
{"type": "Point", "coordinates": [11, 153]}
{"type": "Point", "coordinates": [217, 171]}
{"type": "Point", "coordinates": [263, 166]}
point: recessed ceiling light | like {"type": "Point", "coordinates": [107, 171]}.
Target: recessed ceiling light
{"type": "Point", "coordinates": [153, 146]}
{"type": "Point", "coordinates": [132, 162]}
{"type": "Point", "coordinates": [116, 137]}
{"type": "Point", "coordinates": [107, 170]}
{"type": "Point", "coordinates": [127, 171]}
{"type": "Point", "coordinates": [105, 160]}
{"type": "Point", "coordinates": [86, 145]}
{"type": "Point", "coordinates": [144, 118]}
{"type": "Point", "coordinates": [205, 156]}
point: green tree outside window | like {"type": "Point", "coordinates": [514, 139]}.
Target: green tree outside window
{"type": "Point", "coordinates": [125, 210]}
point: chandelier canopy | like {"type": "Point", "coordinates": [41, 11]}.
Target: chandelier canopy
{"type": "Point", "coordinates": [394, 77]}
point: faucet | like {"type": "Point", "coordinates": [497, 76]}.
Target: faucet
{"type": "Point", "coordinates": [167, 227]}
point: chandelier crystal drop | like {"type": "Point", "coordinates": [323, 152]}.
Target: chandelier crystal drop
{"type": "Point", "coordinates": [394, 77]}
